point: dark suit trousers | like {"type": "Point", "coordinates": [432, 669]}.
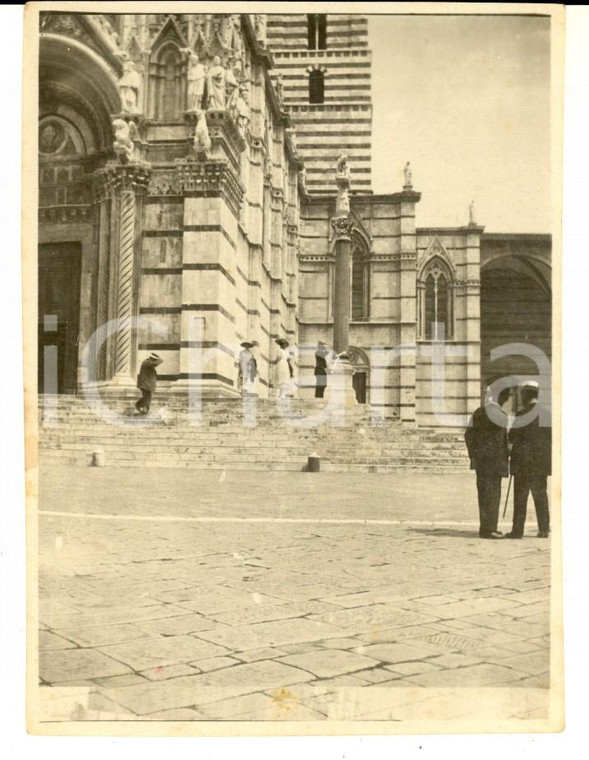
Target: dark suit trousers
{"type": "Point", "coordinates": [522, 485]}
{"type": "Point", "coordinates": [144, 402]}
{"type": "Point", "coordinates": [489, 491]}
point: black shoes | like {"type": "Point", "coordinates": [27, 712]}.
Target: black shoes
{"type": "Point", "coordinates": [494, 534]}
{"type": "Point", "coordinates": [511, 534]}
{"type": "Point", "coordinates": [543, 533]}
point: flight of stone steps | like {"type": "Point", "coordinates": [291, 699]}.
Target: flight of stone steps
{"type": "Point", "coordinates": [231, 434]}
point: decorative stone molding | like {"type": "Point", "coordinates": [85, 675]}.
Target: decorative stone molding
{"type": "Point", "coordinates": [210, 176]}
{"type": "Point", "coordinates": [434, 249]}
{"type": "Point", "coordinates": [165, 183]}
{"type": "Point", "coordinates": [65, 214]}
{"type": "Point", "coordinates": [343, 227]}
{"type": "Point", "coordinates": [116, 179]}
{"type": "Point", "coordinates": [224, 134]}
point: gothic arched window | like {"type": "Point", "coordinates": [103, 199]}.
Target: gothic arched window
{"type": "Point", "coordinates": [316, 86]}
{"type": "Point", "coordinates": [317, 31]}
{"type": "Point", "coordinates": [435, 302]}
{"type": "Point", "coordinates": [360, 286]}
{"type": "Point", "coordinates": [167, 83]}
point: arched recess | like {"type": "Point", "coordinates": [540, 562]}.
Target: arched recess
{"type": "Point", "coordinates": [75, 82]}
{"type": "Point", "coordinates": [361, 376]}
{"type": "Point", "coordinates": [78, 93]}
{"type": "Point", "coordinates": [167, 72]}
{"type": "Point", "coordinates": [516, 307]}
{"type": "Point", "coordinates": [360, 279]}
{"type": "Point", "coordinates": [435, 300]}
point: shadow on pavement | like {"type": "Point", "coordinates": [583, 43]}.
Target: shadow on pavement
{"type": "Point", "coordinates": [448, 532]}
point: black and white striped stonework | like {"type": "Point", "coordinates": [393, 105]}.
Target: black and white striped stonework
{"type": "Point", "coordinates": [343, 121]}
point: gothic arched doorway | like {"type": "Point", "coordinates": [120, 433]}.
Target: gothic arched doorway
{"type": "Point", "coordinates": [361, 376]}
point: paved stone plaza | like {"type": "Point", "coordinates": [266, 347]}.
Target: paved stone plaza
{"type": "Point", "coordinates": [179, 595]}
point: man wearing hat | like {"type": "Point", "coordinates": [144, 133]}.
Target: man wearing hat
{"type": "Point", "coordinates": [247, 368]}
{"type": "Point", "coordinates": [146, 382]}
{"type": "Point", "coordinates": [321, 369]}
{"type": "Point", "coordinates": [531, 458]}
{"type": "Point", "coordinates": [488, 449]}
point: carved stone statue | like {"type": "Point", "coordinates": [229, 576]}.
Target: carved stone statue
{"type": "Point", "coordinates": [231, 89]}
{"type": "Point", "coordinates": [342, 168]}
{"type": "Point", "coordinates": [471, 217]}
{"type": "Point", "coordinates": [279, 87]}
{"type": "Point", "coordinates": [202, 139]}
{"type": "Point", "coordinates": [242, 110]}
{"type": "Point", "coordinates": [408, 175]}
{"type": "Point", "coordinates": [130, 88]}
{"type": "Point", "coordinates": [125, 134]}
{"type": "Point", "coordinates": [216, 85]}
{"type": "Point", "coordinates": [303, 175]}
{"type": "Point", "coordinates": [196, 75]}
{"type": "Point", "coordinates": [260, 27]}
{"type": "Point", "coordinates": [293, 137]}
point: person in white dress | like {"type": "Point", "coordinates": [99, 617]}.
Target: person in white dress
{"type": "Point", "coordinates": [284, 370]}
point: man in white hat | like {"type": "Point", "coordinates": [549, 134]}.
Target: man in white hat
{"type": "Point", "coordinates": [531, 456]}
{"type": "Point", "coordinates": [146, 382]}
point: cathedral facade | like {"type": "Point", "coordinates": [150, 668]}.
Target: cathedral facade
{"type": "Point", "coordinates": [186, 192]}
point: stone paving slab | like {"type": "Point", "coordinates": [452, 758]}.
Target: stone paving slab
{"type": "Point", "coordinates": [155, 653]}
{"type": "Point", "coordinates": [329, 663]}
{"type": "Point", "coordinates": [69, 664]}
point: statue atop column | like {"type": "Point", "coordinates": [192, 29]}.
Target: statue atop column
{"type": "Point", "coordinates": [342, 180]}
{"type": "Point", "coordinates": [408, 176]}
{"type": "Point", "coordinates": [130, 88]}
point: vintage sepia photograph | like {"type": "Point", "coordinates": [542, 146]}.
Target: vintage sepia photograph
{"type": "Point", "coordinates": [292, 312]}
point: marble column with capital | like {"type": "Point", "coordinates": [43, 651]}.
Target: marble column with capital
{"type": "Point", "coordinates": [122, 187]}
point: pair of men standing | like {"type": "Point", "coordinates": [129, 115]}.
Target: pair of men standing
{"type": "Point", "coordinates": [488, 444]}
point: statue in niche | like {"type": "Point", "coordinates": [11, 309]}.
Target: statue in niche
{"type": "Point", "coordinates": [126, 134]}
{"type": "Point", "coordinates": [196, 75]}
{"type": "Point", "coordinates": [408, 175]}
{"type": "Point", "coordinates": [231, 87]}
{"type": "Point", "coordinates": [241, 112]}
{"type": "Point", "coordinates": [202, 139]}
{"type": "Point", "coordinates": [216, 85]}
{"type": "Point", "coordinates": [130, 88]}
{"type": "Point", "coordinates": [471, 216]}
{"type": "Point", "coordinates": [342, 168]}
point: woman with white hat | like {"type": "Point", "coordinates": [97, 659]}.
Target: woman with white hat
{"type": "Point", "coordinates": [284, 369]}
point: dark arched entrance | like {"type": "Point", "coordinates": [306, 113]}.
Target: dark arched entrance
{"type": "Point", "coordinates": [516, 307]}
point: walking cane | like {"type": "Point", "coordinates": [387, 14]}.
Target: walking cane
{"type": "Point", "coordinates": [507, 497]}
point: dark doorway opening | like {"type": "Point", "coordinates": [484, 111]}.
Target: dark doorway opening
{"type": "Point", "coordinates": [59, 317]}
{"type": "Point", "coordinates": [359, 384]}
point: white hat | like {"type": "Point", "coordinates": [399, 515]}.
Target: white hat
{"type": "Point", "coordinates": [530, 385]}
{"type": "Point", "coordinates": [154, 356]}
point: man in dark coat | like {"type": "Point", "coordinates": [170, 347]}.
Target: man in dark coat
{"type": "Point", "coordinates": [321, 369]}
{"type": "Point", "coordinates": [488, 449]}
{"type": "Point", "coordinates": [146, 382]}
{"type": "Point", "coordinates": [531, 460]}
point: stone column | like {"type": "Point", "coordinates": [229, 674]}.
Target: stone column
{"type": "Point", "coordinates": [124, 184]}
{"type": "Point", "coordinates": [340, 391]}
{"type": "Point", "coordinates": [341, 303]}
